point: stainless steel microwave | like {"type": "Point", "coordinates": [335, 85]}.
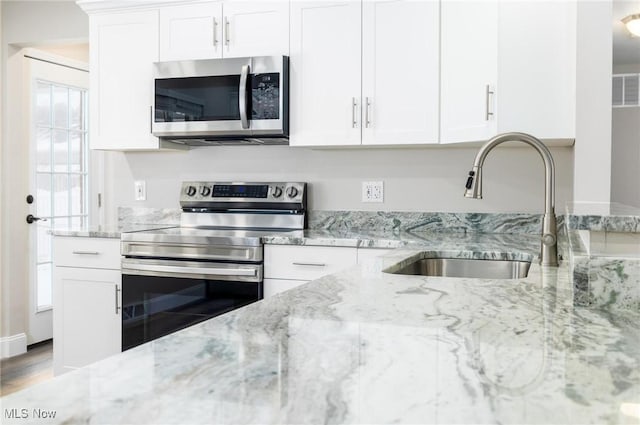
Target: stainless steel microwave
{"type": "Point", "coordinates": [222, 101]}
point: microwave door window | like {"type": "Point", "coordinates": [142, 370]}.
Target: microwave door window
{"type": "Point", "coordinates": [213, 98]}
{"type": "Point", "coordinates": [265, 96]}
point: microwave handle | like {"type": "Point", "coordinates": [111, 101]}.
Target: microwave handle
{"type": "Point", "coordinates": [242, 97]}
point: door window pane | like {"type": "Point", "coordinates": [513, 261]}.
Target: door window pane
{"type": "Point", "coordinates": [44, 287]}
{"type": "Point", "coordinates": [43, 149]}
{"type": "Point", "coordinates": [43, 104]}
{"type": "Point", "coordinates": [60, 107]}
{"type": "Point", "coordinates": [76, 149]}
{"type": "Point", "coordinates": [43, 195]}
{"type": "Point", "coordinates": [61, 151]}
{"type": "Point", "coordinates": [44, 242]}
{"type": "Point", "coordinates": [76, 109]}
{"type": "Point", "coordinates": [77, 194]}
{"type": "Point", "coordinates": [61, 194]}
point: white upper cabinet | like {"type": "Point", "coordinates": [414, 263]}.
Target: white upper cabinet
{"type": "Point", "coordinates": [123, 47]}
{"type": "Point", "coordinates": [224, 29]}
{"type": "Point", "coordinates": [364, 72]}
{"type": "Point", "coordinates": [469, 70]}
{"type": "Point", "coordinates": [537, 68]}
{"type": "Point", "coordinates": [325, 73]}
{"type": "Point", "coordinates": [256, 28]}
{"type": "Point", "coordinates": [400, 75]}
{"type": "Point", "coordinates": [192, 31]}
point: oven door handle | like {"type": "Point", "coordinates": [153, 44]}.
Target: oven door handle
{"type": "Point", "coordinates": [209, 271]}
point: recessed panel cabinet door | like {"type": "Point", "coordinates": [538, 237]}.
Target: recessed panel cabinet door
{"type": "Point", "coordinates": [191, 31]}
{"type": "Point", "coordinates": [87, 316]}
{"type": "Point", "coordinates": [400, 78]}
{"type": "Point", "coordinates": [325, 73]}
{"type": "Point", "coordinates": [123, 47]}
{"type": "Point", "coordinates": [255, 28]}
{"type": "Point", "coordinates": [537, 68]}
{"type": "Point", "coordinates": [469, 71]}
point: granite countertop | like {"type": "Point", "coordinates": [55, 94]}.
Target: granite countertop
{"type": "Point", "coordinates": [363, 346]}
{"type": "Point", "coordinates": [106, 231]}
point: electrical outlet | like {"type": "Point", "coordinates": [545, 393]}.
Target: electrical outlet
{"type": "Point", "coordinates": [140, 188]}
{"type": "Point", "coordinates": [372, 192]}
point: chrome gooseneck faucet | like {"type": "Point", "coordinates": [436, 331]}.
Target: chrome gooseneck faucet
{"type": "Point", "coordinates": [549, 245]}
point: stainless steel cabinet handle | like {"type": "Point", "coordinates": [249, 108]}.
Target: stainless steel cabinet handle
{"type": "Point", "coordinates": [242, 96]}
{"type": "Point", "coordinates": [86, 252]}
{"type": "Point", "coordinates": [295, 263]}
{"type": "Point", "coordinates": [215, 30]}
{"type": "Point", "coordinates": [354, 112]}
{"type": "Point", "coordinates": [227, 38]}
{"type": "Point", "coordinates": [489, 92]}
{"type": "Point", "coordinates": [367, 119]}
{"type": "Point", "coordinates": [190, 270]}
{"type": "Point", "coordinates": [117, 306]}
{"type": "Point", "coordinates": [151, 119]}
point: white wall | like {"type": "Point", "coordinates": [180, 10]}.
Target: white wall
{"type": "Point", "coordinates": [23, 23]}
{"type": "Point", "coordinates": [625, 156]}
{"type": "Point", "coordinates": [592, 173]}
{"type": "Point", "coordinates": [426, 179]}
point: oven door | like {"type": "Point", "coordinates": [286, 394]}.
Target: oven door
{"type": "Point", "coordinates": [221, 98]}
{"type": "Point", "coordinates": [162, 296]}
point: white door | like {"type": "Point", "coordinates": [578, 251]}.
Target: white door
{"type": "Point", "coordinates": [400, 74]}
{"type": "Point", "coordinates": [192, 31]}
{"type": "Point", "coordinates": [256, 28]}
{"type": "Point", "coordinates": [469, 70]}
{"type": "Point", "coordinates": [58, 174]}
{"type": "Point", "coordinates": [325, 73]}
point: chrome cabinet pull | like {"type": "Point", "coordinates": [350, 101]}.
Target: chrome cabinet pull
{"type": "Point", "coordinates": [151, 119]}
{"type": "Point", "coordinates": [117, 306]}
{"type": "Point", "coordinates": [242, 95]}
{"type": "Point", "coordinates": [367, 120]}
{"type": "Point", "coordinates": [295, 263]}
{"type": "Point", "coordinates": [86, 252]}
{"type": "Point", "coordinates": [489, 92]}
{"type": "Point", "coordinates": [354, 111]}
{"type": "Point", "coordinates": [227, 38]}
{"type": "Point", "coordinates": [215, 30]}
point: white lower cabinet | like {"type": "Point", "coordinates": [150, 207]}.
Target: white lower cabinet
{"type": "Point", "coordinates": [87, 301]}
{"type": "Point", "coordinates": [288, 266]}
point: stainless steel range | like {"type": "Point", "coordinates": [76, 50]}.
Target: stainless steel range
{"type": "Point", "coordinates": [213, 263]}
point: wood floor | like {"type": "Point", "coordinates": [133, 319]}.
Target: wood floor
{"type": "Point", "coordinates": [25, 370]}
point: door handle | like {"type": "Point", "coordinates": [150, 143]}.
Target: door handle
{"type": "Point", "coordinates": [32, 218]}
{"type": "Point", "coordinates": [243, 99]}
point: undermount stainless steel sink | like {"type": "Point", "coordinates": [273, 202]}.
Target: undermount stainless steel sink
{"type": "Point", "coordinates": [469, 268]}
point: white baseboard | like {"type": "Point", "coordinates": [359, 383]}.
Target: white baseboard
{"type": "Point", "coordinates": [13, 345]}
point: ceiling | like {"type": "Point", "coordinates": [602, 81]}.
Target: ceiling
{"type": "Point", "coordinates": [626, 49]}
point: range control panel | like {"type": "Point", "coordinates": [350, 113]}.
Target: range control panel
{"type": "Point", "coordinates": [242, 192]}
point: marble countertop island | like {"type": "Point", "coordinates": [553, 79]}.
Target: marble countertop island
{"type": "Point", "coordinates": [364, 346]}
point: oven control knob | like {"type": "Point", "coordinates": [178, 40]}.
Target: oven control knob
{"type": "Point", "coordinates": [292, 192]}
{"type": "Point", "coordinates": [191, 190]}
{"type": "Point", "coordinates": [205, 191]}
{"type": "Point", "coordinates": [277, 192]}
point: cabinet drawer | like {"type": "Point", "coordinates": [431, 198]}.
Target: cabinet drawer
{"type": "Point", "coordinates": [305, 262]}
{"type": "Point", "coordinates": [96, 253]}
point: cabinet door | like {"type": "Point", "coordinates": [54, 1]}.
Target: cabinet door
{"type": "Point", "coordinates": [325, 73]}
{"type": "Point", "coordinates": [191, 31]}
{"type": "Point", "coordinates": [537, 68]}
{"type": "Point", "coordinates": [86, 316]}
{"type": "Point", "coordinates": [123, 47]}
{"type": "Point", "coordinates": [400, 75]}
{"type": "Point", "coordinates": [256, 28]}
{"type": "Point", "coordinates": [306, 262]}
{"type": "Point", "coordinates": [469, 67]}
